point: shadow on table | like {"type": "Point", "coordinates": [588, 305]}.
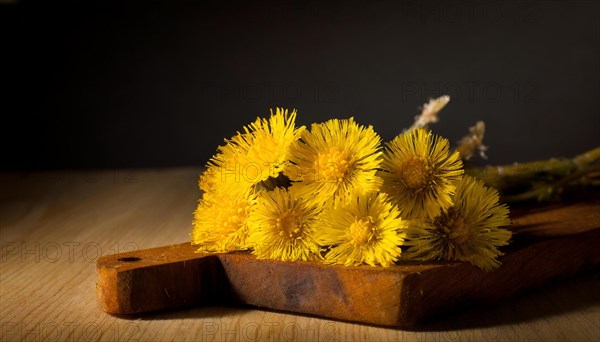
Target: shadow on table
{"type": "Point", "coordinates": [191, 313]}
{"type": "Point", "coordinates": [578, 294]}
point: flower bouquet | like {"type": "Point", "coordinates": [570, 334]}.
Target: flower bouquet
{"type": "Point", "coordinates": [334, 193]}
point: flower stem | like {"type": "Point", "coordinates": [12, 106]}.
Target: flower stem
{"type": "Point", "coordinates": [542, 179]}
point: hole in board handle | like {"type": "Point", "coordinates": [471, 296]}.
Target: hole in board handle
{"type": "Point", "coordinates": [129, 259]}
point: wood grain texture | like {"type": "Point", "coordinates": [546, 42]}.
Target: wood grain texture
{"type": "Point", "coordinates": [55, 225]}
{"type": "Point", "coordinates": [566, 241]}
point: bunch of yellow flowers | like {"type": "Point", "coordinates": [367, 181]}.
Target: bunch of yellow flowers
{"type": "Point", "coordinates": [334, 194]}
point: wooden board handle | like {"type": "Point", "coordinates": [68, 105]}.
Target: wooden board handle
{"type": "Point", "coordinates": [157, 279]}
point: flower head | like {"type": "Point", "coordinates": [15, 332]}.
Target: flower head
{"type": "Point", "coordinates": [221, 222]}
{"type": "Point", "coordinates": [420, 174]}
{"type": "Point", "coordinates": [366, 229]}
{"type": "Point", "coordinates": [470, 230]}
{"type": "Point", "coordinates": [473, 142]}
{"type": "Point", "coordinates": [333, 159]}
{"type": "Point", "coordinates": [260, 153]}
{"type": "Point", "coordinates": [430, 111]}
{"type": "Point", "coordinates": [281, 227]}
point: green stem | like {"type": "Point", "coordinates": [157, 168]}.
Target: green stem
{"type": "Point", "coordinates": [547, 191]}
{"type": "Point", "coordinates": [507, 177]}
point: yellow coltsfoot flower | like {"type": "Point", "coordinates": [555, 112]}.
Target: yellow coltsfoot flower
{"type": "Point", "coordinates": [471, 230]}
{"type": "Point", "coordinates": [221, 222]}
{"type": "Point", "coordinates": [281, 227]}
{"type": "Point", "coordinates": [420, 174]}
{"type": "Point", "coordinates": [259, 154]}
{"type": "Point", "coordinates": [333, 159]}
{"type": "Point", "coordinates": [366, 229]}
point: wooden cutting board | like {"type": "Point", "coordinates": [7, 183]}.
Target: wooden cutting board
{"type": "Point", "coordinates": [550, 242]}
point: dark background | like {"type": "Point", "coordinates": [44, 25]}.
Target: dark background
{"type": "Point", "coordinates": [104, 84]}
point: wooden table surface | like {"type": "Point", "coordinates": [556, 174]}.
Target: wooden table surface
{"type": "Point", "coordinates": [54, 225]}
